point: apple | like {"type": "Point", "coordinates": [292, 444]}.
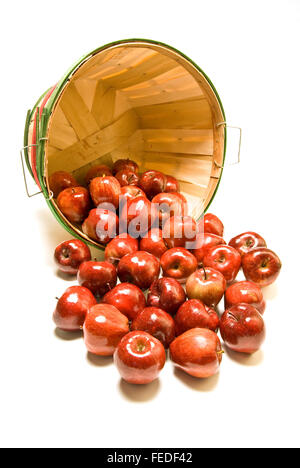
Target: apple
{"type": "Point", "coordinates": [246, 242]}
{"type": "Point", "coordinates": [198, 352]}
{"type": "Point", "coordinates": [98, 277]}
{"type": "Point", "coordinates": [139, 357]}
{"type": "Point", "coordinates": [225, 259]}
{"type": "Point", "coordinates": [103, 329]}
{"type": "Point", "coordinates": [262, 266]}
{"type": "Point", "coordinates": [180, 231]}
{"type": "Point", "coordinates": [70, 254]}
{"type": "Point", "coordinates": [127, 177]}
{"type": "Point", "coordinates": [169, 205]}
{"type": "Point", "coordinates": [60, 181]}
{"type": "Point", "coordinates": [207, 285]}
{"type": "Point", "coordinates": [125, 164]}
{"type": "Point", "coordinates": [195, 314]}
{"type": "Point", "coordinates": [139, 268]}
{"type": "Point", "coordinates": [203, 243]}
{"type": "Point", "coordinates": [105, 190]}
{"type": "Point", "coordinates": [138, 215]}
{"type": "Point", "coordinates": [131, 191]}
{"type": "Point", "coordinates": [245, 292]}
{"type": "Point", "coordinates": [172, 184]}
{"type": "Point", "coordinates": [101, 225]}
{"type": "Point", "coordinates": [178, 263]}
{"type": "Point", "coordinates": [166, 294]}
{"type": "Point", "coordinates": [158, 323]}
{"type": "Point", "coordinates": [74, 203]}
{"type": "Point", "coordinates": [72, 307]}
{"type": "Point", "coordinates": [212, 224]}
{"type": "Point", "coordinates": [120, 246]}
{"type": "Point", "coordinates": [152, 183]}
{"type": "Point", "coordinates": [97, 171]}
{"type": "Point", "coordinates": [242, 328]}
{"type": "Point", "coordinates": [127, 298]}
{"type": "Point", "coordinates": [154, 243]}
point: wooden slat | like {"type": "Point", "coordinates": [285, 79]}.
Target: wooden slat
{"type": "Point", "coordinates": [104, 105]}
{"type": "Point", "coordinates": [197, 141]}
{"type": "Point", "coordinates": [86, 89]}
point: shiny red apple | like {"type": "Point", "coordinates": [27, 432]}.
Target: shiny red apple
{"type": "Point", "coordinates": [139, 357]}
{"type": "Point", "coordinates": [180, 231]}
{"type": "Point", "coordinates": [169, 205]}
{"type": "Point", "coordinates": [70, 254]}
{"type": "Point", "coordinates": [105, 190]}
{"type": "Point", "coordinates": [137, 216]}
{"type": "Point", "coordinates": [178, 263]}
{"type": "Point", "coordinates": [166, 294]}
{"type": "Point", "coordinates": [131, 191]}
{"type": "Point", "coordinates": [245, 292]}
{"type": "Point", "coordinates": [172, 184]}
{"type": "Point", "coordinates": [74, 203]}
{"type": "Point", "coordinates": [103, 329]}
{"type": "Point", "coordinates": [203, 243]}
{"type": "Point", "coordinates": [61, 180]}
{"type": "Point", "coordinates": [118, 247]}
{"type": "Point", "coordinates": [125, 164]}
{"type": "Point", "coordinates": [158, 323]}
{"type": "Point", "coordinates": [246, 242]}
{"type": "Point", "coordinates": [212, 224]}
{"type": "Point", "coordinates": [152, 183]}
{"type": "Point", "coordinates": [198, 352]}
{"type": "Point", "coordinates": [127, 298]}
{"type": "Point", "coordinates": [195, 314]}
{"type": "Point", "coordinates": [127, 177]}
{"type": "Point", "coordinates": [154, 243]}
{"type": "Point", "coordinates": [97, 171]}
{"type": "Point", "coordinates": [98, 277]}
{"type": "Point", "coordinates": [225, 259]}
{"type": "Point", "coordinates": [242, 328]}
{"type": "Point", "coordinates": [262, 266]}
{"type": "Point", "coordinates": [72, 307]}
{"type": "Point", "coordinates": [101, 225]}
{"type": "Point", "coordinates": [140, 268]}
{"type": "Point", "coordinates": [207, 285]}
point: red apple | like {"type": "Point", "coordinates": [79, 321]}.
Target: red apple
{"type": "Point", "coordinates": [167, 294]}
{"type": "Point", "coordinates": [180, 231]}
{"type": "Point", "coordinates": [125, 164]}
{"type": "Point", "coordinates": [61, 180]}
{"type": "Point", "coordinates": [246, 242]}
{"type": "Point", "coordinates": [207, 285]}
{"type": "Point", "coordinates": [97, 171]}
{"type": "Point", "coordinates": [225, 259]}
{"type": "Point", "coordinates": [131, 191]}
{"type": "Point", "coordinates": [105, 190]}
{"type": "Point", "coordinates": [242, 328]}
{"type": "Point", "coordinates": [103, 329]}
{"type": "Point", "coordinates": [245, 292]}
{"type": "Point", "coordinates": [138, 215]}
{"type": "Point", "coordinates": [153, 243]}
{"type": "Point", "coordinates": [101, 225]}
{"type": "Point", "coordinates": [169, 205]}
{"type": "Point", "coordinates": [140, 268]}
{"type": "Point", "coordinates": [139, 357]}
{"type": "Point", "coordinates": [98, 277]}
{"type": "Point", "coordinates": [152, 183]}
{"type": "Point", "coordinates": [72, 307]}
{"type": "Point", "coordinates": [127, 298]}
{"type": "Point", "coordinates": [74, 203]}
{"type": "Point", "coordinates": [198, 352]}
{"type": "Point", "coordinates": [70, 254]}
{"type": "Point", "coordinates": [172, 184]}
{"type": "Point", "coordinates": [195, 314]}
{"type": "Point", "coordinates": [178, 263]}
{"type": "Point", "coordinates": [203, 243]}
{"type": "Point", "coordinates": [212, 224]}
{"type": "Point", "coordinates": [120, 246]}
{"type": "Point", "coordinates": [158, 323]}
{"type": "Point", "coordinates": [262, 266]}
{"type": "Point", "coordinates": [127, 177]}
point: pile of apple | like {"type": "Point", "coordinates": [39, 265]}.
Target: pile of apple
{"type": "Point", "coordinates": [170, 283]}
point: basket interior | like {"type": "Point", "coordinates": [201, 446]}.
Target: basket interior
{"type": "Point", "coordinates": [145, 102]}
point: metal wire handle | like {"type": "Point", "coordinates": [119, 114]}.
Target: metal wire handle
{"type": "Point", "coordinates": [240, 144]}
{"type": "Point", "coordinates": [30, 195]}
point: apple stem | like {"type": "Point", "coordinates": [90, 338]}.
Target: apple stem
{"type": "Point", "coordinates": [205, 275]}
{"type": "Point", "coordinates": [57, 298]}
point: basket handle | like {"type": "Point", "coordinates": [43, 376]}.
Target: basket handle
{"type": "Point", "coordinates": [225, 124]}
{"type": "Point", "coordinates": [29, 195]}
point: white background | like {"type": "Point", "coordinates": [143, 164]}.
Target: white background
{"type": "Point", "coordinates": [51, 395]}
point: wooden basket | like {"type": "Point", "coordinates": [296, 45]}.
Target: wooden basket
{"type": "Point", "coordinates": [136, 99]}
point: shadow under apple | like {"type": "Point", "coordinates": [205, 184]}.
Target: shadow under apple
{"type": "Point", "coordinates": [200, 385]}
{"type": "Point", "coordinates": [139, 393]}
{"type": "Point", "coordinates": [67, 336]}
{"type": "Point", "coordinates": [243, 359]}
{"type": "Point", "coordinates": [99, 361]}
{"type": "Point", "coordinates": [270, 292]}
